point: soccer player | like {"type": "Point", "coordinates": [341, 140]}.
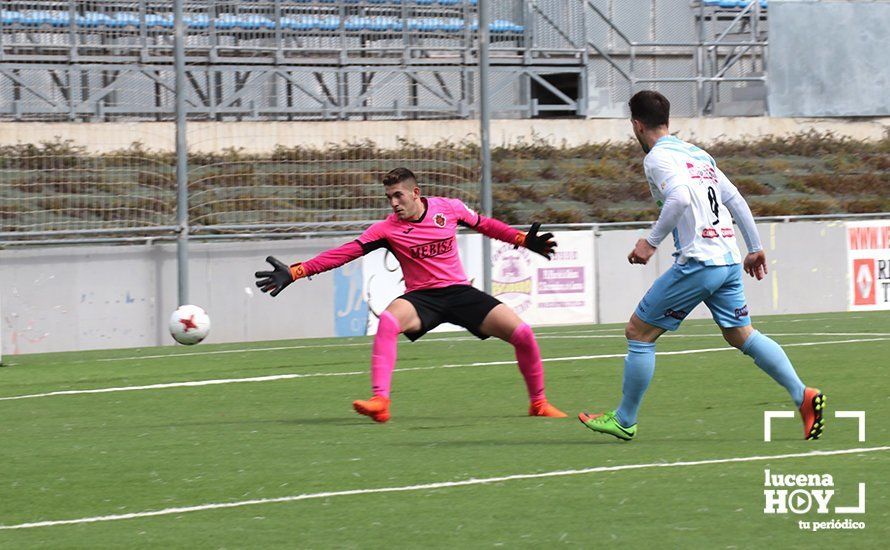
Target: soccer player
{"type": "Point", "coordinates": [421, 233]}
{"type": "Point", "coordinates": [696, 200]}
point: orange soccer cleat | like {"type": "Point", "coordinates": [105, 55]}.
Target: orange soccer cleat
{"type": "Point", "coordinates": [543, 408]}
{"type": "Point", "coordinates": [377, 408]}
{"type": "Point", "coordinates": [811, 411]}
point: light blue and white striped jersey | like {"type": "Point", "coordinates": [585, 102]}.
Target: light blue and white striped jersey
{"type": "Point", "coordinates": [704, 232]}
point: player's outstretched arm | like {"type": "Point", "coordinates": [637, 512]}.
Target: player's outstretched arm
{"type": "Point", "coordinates": [282, 275]}
{"type": "Point", "coordinates": [544, 244]}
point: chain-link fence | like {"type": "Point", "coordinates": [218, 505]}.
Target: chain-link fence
{"type": "Point", "coordinates": [304, 186]}
{"type": "Point", "coordinates": [107, 68]}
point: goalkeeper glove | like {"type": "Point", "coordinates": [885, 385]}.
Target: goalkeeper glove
{"type": "Point", "coordinates": [542, 244]}
{"type": "Point", "coordinates": [281, 276]}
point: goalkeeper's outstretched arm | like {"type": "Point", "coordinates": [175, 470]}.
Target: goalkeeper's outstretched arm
{"type": "Point", "coordinates": [282, 275]}
{"type": "Point", "coordinates": [544, 244]}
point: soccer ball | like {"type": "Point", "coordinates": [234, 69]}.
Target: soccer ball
{"type": "Point", "coordinates": [189, 324]}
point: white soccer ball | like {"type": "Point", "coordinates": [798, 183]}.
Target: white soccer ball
{"type": "Point", "coordinates": [189, 324]}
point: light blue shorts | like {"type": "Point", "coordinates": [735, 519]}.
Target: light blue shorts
{"type": "Point", "coordinates": [676, 293]}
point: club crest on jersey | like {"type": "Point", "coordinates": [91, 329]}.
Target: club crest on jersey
{"type": "Point", "coordinates": [439, 219]}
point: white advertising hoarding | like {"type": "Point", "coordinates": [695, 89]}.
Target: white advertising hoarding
{"type": "Point", "coordinates": [545, 292]}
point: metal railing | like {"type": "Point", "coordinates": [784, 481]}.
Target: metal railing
{"type": "Point", "coordinates": [288, 231]}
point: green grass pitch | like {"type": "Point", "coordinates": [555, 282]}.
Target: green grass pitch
{"type": "Point", "coordinates": [93, 455]}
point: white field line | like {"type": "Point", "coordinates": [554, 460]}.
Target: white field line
{"type": "Point", "coordinates": [710, 335]}
{"type": "Point", "coordinates": [438, 485]}
{"type": "Point", "coordinates": [275, 377]}
{"type": "Point", "coordinates": [303, 346]}
{"type": "Point", "coordinates": [569, 335]}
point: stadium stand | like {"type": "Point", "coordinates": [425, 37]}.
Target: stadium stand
{"type": "Point", "coordinates": [553, 58]}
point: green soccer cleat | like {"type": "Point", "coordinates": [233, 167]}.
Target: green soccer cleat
{"type": "Point", "coordinates": [607, 423]}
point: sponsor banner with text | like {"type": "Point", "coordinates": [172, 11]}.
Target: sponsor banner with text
{"type": "Point", "coordinates": [545, 292]}
{"type": "Point", "coordinates": [868, 265]}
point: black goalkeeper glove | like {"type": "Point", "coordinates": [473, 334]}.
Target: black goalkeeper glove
{"type": "Point", "coordinates": [281, 276]}
{"type": "Point", "coordinates": [542, 244]}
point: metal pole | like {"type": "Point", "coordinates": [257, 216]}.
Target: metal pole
{"type": "Point", "coordinates": [182, 197]}
{"type": "Point", "coordinates": [484, 134]}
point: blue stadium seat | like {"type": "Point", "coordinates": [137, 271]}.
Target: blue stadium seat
{"type": "Point", "coordinates": [253, 22]}
{"type": "Point", "coordinates": [329, 23]}
{"type": "Point", "coordinates": [164, 21]}
{"type": "Point", "coordinates": [452, 24]}
{"type": "Point", "coordinates": [125, 19]}
{"type": "Point", "coordinates": [731, 4]}
{"type": "Point", "coordinates": [10, 17]}
{"type": "Point", "coordinates": [197, 21]}
{"type": "Point", "coordinates": [226, 22]}
{"type": "Point", "coordinates": [90, 21]}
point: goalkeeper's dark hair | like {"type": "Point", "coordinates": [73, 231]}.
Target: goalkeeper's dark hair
{"type": "Point", "coordinates": [651, 108]}
{"type": "Point", "coordinates": [398, 175]}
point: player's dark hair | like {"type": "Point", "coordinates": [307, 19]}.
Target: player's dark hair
{"type": "Point", "coordinates": [651, 108]}
{"type": "Point", "coordinates": [398, 175]}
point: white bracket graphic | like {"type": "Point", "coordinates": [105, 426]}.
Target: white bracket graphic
{"type": "Point", "coordinates": [768, 419]}
{"type": "Point", "coordinates": [769, 415]}
{"type": "Point", "coordinates": [854, 509]}
{"type": "Point", "coordinates": [854, 414]}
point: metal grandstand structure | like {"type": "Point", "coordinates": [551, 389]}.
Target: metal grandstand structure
{"type": "Point", "coordinates": [278, 59]}
{"type": "Point", "coordinates": [365, 59]}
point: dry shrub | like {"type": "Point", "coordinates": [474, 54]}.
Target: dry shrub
{"type": "Point", "coordinates": [594, 193]}
{"type": "Point", "coordinates": [786, 207]}
{"type": "Point", "coordinates": [739, 166]}
{"type": "Point", "coordinates": [587, 192]}
{"type": "Point", "coordinates": [777, 165]}
{"type": "Point", "coordinates": [515, 193]}
{"type": "Point", "coordinates": [604, 169]}
{"type": "Point", "coordinates": [803, 144]}
{"type": "Point", "coordinates": [842, 185]}
{"type": "Point", "coordinates": [505, 172]}
{"type": "Point", "coordinates": [877, 161]}
{"type": "Point", "coordinates": [568, 215]}
{"type": "Point", "coordinates": [748, 186]}
{"type": "Point", "coordinates": [506, 213]}
{"type": "Point", "coordinates": [549, 171]}
{"type": "Point", "coordinates": [865, 206]}
{"type": "Point", "coordinates": [845, 162]}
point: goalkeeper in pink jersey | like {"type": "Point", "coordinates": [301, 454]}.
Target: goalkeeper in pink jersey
{"type": "Point", "coordinates": [421, 233]}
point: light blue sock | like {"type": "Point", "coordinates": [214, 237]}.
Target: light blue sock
{"type": "Point", "coordinates": [771, 358]}
{"type": "Point", "coordinates": [639, 366]}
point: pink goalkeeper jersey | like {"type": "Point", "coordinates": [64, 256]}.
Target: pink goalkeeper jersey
{"type": "Point", "coordinates": [426, 248]}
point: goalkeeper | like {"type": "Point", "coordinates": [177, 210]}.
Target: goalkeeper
{"type": "Point", "coordinates": [421, 233]}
